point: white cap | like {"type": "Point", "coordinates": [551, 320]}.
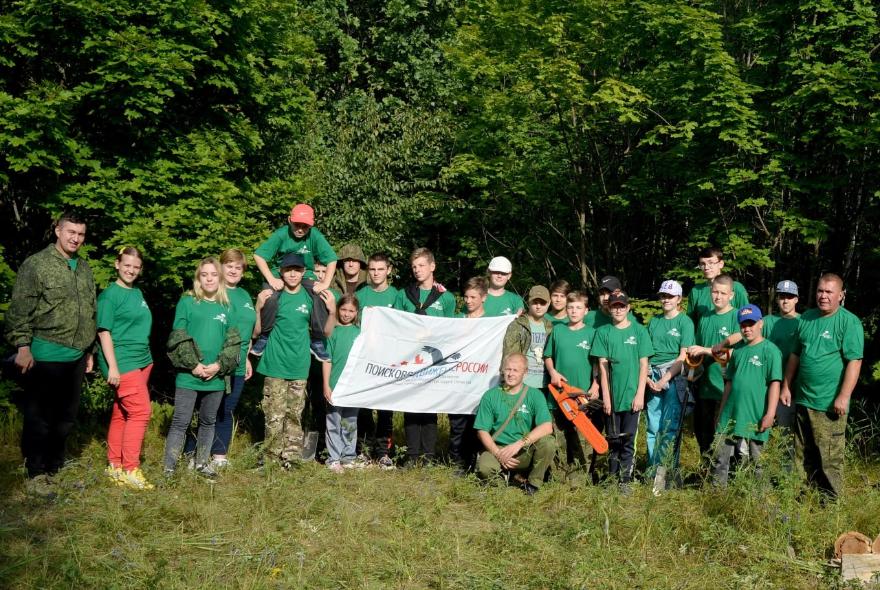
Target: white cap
{"type": "Point", "coordinates": [500, 264]}
{"type": "Point", "coordinates": [670, 288]}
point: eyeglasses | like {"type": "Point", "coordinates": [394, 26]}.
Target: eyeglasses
{"type": "Point", "coordinates": [710, 264]}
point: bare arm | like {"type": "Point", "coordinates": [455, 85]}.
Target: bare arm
{"type": "Point", "coordinates": [109, 351]}
{"type": "Point", "coordinates": [850, 378]}
{"type": "Point", "coordinates": [325, 374]}
{"type": "Point", "coordinates": [263, 266]}
{"type": "Point", "coordinates": [790, 372]}
{"type": "Point", "coordinates": [605, 385]}
{"type": "Point", "coordinates": [772, 403]}
{"type": "Point", "coordinates": [556, 378]}
{"type": "Point", "coordinates": [328, 278]}
{"type": "Point", "coordinates": [639, 399]}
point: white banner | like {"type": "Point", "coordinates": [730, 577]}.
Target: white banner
{"type": "Point", "coordinates": [414, 363]}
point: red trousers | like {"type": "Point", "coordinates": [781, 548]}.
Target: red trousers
{"type": "Point", "coordinates": [128, 424]}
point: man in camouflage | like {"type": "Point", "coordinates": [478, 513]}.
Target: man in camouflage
{"type": "Point", "coordinates": [51, 323]}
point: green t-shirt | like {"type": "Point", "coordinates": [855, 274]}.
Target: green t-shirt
{"type": "Point", "coordinates": [783, 333]}
{"type": "Point", "coordinates": [338, 347]}
{"type": "Point", "coordinates": [124, 313]}
{"type": "Point", "coordinates": [495, 407]}
{"type": "Point", "coordinates": [563, 321]}
{"type": "Point", "coordinates": [751, 370]}
{"type": "Point", "coordinates": [535, 356]}
{"type": "Point", "coordinates": [245, 320]}
{"type": "Point", "coordinates": [700, 301]}
{"type": "Point", "coordinates": [51, 352]}
{"type": "Point", "coordinates": [624, 348]}
{"type": "Point", "coordinates": [710, 331]}
{"type": "Point", "coordinates": [825, 345]}
{"type": "Point", "coordinates": [596, 318]}
{"type": "Point", "coordinates": [207, 322]}
{"type": "Point", "coordinates": [370, 298]}
{"type": "Point", "coordinates": [281, 242]}
{"type": "Point", "coordinates": [444, 306]}
{"type": "Point", "coordinates": [570, 351]}
{"type": "Point", "coordinates": [505, 304]}
{"type": "Point", "coordinates": [669, 336]}
{"type": "Point", "coordinates": [287, 353]}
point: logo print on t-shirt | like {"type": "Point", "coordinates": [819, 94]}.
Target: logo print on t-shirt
{"type": "Point", "coordinates": [302, 308]}
{"type": "Point", "coordinates": [437, 305]}
{"type": "Point", "coordinates": [755, 361]}
{"type": "Point", "coordinates": [584, 344]}
{"type": "Point", "coordinates": [304, 249]}
{"type": "Point", "coordinates": [524, 409]}
{"type": "Point", "coordinates": [826, 335]}
{"type": "Point", "coordinates": [220, 317]}
{"type": "Point", "coordinates": [507, 311]}
{"type": "Point", "coordinates": [248, 305]}
{"type": "Point", "coordinates": [723, 331]}
{"type": "Point", "coordinates": [631, 341]}
{"type": "Point", "coordinates": [674, 333]}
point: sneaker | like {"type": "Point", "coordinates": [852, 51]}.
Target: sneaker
{"type": "Point", "coordinates": [205, 470]}
{"type": "Point", "coordinates": [386, 463]}
{"type": "Point", "coordinates": [219, 463]}
{"type": "Point", "coordinates": [114, 474]}
{"type": "Point", "coordinates": [135, 479]}
{"type": "Point", "coordinates": [319, 350]}
{"type": "Point", "coordinates": [361, 461]}
{"type": "Point", "coordinates": [335, 467]}
{"type": "Point", "coordinates": [259, 345]}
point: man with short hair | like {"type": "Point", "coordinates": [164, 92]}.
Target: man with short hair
{"type": "Point", "coordinates": [711, 262]}
{"type": "Point", "coordinates": [781, 329]}
{"type": "Point", "coordinates": [424, 296]}
{"type": "Point", "coordinates": [501, 301]}
{"type": "Point", "coordinates": [827, 359]}
{"type": "Point", "coordinates": [513, 424]}
{"type": "Point", "coordinates": [51, 321]}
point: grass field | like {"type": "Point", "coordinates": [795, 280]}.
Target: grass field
{"type": "Point", "coordinates": [420, 528]}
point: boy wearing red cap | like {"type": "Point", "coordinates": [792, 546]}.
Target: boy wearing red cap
{"type": "Point", "coordinates": [299, 236]}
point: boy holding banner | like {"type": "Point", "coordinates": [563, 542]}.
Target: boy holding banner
{"type": "Point", "coordinates": [424, 296]}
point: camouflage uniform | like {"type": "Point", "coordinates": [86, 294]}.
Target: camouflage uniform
{"type": "Point", "coordinates": [51, 302]}
{"type": "Point", "coordinates": [283, 404]}
{"type": "Point", "coordinates": [820, 445]}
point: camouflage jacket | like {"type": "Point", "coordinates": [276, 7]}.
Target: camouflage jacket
{"type": "Point", "coordinates": [184, 353]}
{"type": "Point", "coordinates": [518, 337]}
{"type": "Point", "coordinates": [52, 302]}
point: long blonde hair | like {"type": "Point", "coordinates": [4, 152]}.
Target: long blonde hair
{"type": "Point", "coordinates": [198, 293]}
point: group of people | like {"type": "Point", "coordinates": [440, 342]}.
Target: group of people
{"type": "Point", "coordinates": [742, 370]}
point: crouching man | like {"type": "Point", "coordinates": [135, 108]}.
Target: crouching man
{"type": "Point", "coordinates": [514, 425]}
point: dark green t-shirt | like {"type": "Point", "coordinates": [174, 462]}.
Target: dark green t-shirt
{"type": "Point", "coordinates": [51, 352]}
{"type": "Point", "coordinates": [124, 313]}
{"type": "Point", "coordinates": [624, 348]}
{"type": "Point", "coordinates": [825, 345]}
{"type": "Point", "coordinates": [495, 407]}
{"type": "Point", "coordinates": [596, 318]}
{"type": "Point", "coordinates": [443, 307]}
{"type": "Point", "coordinates": [563, 321]}
{"type": "Point", "coordinates": [700, 301]}
{"type": "Point", "coordinates": [669, 336]}
{"type": "Point", "coordinates": [710, 331]}
{"type": "Point", "coordinates": [281, 242]}
{"type": "Point", "coordinates": [287, 353]}
{"type": "Point", "coordinates": [750, 371]}
{"type": "Point", "coordinates": [505, 304]}
{"type": "Point", "coordinates": [245, 320]}
{"type": "Point", "coordinates": [370, 298]}
{"type": "Point", "coordinates": [570, 351]}
{"type": "Point", "coordinates": [338, 347]}
{"type": "Point", "coordinates": [783, 333]}
{"type": "Point", "coordinates": [207, 322]}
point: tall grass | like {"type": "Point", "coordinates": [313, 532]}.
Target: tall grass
{"type": "Point", "coordinates": [420, 528]}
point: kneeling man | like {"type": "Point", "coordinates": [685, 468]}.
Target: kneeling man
{"type": "Point", "coordinates": [513, 424]}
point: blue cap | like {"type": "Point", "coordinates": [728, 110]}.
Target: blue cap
{"type": "Point", "coordinates": [787, 287]}
{"type": "Point", "coordinates": [749, 313]}
{"type": "Point", "coordinates": [292, 259]}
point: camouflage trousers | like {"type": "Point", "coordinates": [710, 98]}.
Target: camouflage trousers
{"type": "Point", "coordinates": [283, 403]}
{"type": "Point", "coordinates": [820, 438]}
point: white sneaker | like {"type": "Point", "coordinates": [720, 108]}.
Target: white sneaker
{"type": "Point", "coordinates": [335, 467]}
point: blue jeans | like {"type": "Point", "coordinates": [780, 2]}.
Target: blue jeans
{"type": "Point", "coordinates": [184, 405]}
{"type": "Point", "coordinates": [223, 426]}
{"type": "Point", "coordinates": [341, 433]}
{"type": "Point", "coordinates": [663, 413]}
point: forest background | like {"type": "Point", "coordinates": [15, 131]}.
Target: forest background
{"type": "Point", "coordinates": [576, 138]}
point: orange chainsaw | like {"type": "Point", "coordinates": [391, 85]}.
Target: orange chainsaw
{"type": "Point", "coordinates": [573, 401]}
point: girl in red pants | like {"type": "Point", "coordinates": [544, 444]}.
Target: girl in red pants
{"type": "Point", "coordinates": [124, 323]}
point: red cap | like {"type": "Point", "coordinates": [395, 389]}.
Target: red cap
{"type": "Point", "coordinates": [303, 213]}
